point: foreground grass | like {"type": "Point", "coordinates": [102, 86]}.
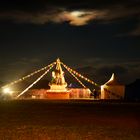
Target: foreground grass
{"type": "Point", "coordinates": [29, 132]}
{"type": "Point", "coordinates": [69, 120]}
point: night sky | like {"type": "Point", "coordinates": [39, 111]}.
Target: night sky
{"type": "Point", "coordinates": [98, 37]}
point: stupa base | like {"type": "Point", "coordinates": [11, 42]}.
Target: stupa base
{"type": "Point", "coordinates": [57, 95]}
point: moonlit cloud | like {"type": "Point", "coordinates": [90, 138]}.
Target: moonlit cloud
{"type": "Point", "coordinates": [76, 18]}
{"type": "Point", "coordinates": [75, 13]}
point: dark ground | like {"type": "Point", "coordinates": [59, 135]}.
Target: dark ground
{"type": "Point", "coordinates": [69, 120]}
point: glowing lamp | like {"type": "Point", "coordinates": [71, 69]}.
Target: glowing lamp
{"type": "Point", "coordinates": [7, 91]}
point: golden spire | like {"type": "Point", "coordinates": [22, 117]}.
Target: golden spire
{"type": "Point", "coordinates": [58, 65]}
{"type": "Point", "coordinates": [58, 79]}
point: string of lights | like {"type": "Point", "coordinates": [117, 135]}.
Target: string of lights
{"type": "Point", "coordinates": [29, 75]}
{"type": "Point", "coordinates": [79, 75]}
{"type": "Point", "coordinates": [75, 74]}
{"type": "Point", "coordinates": [76, 78]}
{"type": "Point", "coordinates": [37, 80]}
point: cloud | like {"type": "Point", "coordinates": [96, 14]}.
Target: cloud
{"type": "Point", "coordinates": [77, 18]}
{"type": "Point", "coordinates": [74, 12]}
{"type": "Point", "coordinates": [135, 31]}
{"type": "Point", "coordinates": [25, 62]}
{"type": "Point", "coordinates": [107, 70]}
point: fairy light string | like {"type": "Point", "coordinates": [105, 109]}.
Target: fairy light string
{"type": "Point", "coordinates": [29, 75]}
{"type": "Point", "coordinates": [36, 81]}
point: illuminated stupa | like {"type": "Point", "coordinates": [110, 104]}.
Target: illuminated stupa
{"type": "Point", "coordinates": [58, 86]}
{"type": "Point", "coordinates": [58, 82]}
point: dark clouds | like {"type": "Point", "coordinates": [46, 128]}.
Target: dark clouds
{"type": "Point", "coordinates": [59, 11]}
{"type": "Point", "coordinates": [86, 4]}
{"type": "Point", "coordinates": [108, 69]}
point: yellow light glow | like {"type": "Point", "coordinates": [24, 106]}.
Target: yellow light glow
{"type": "Point", "coordinates": [77, 13]}
{"type": "Point", "coordinates": [7, 91]}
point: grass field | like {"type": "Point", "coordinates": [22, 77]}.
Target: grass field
{"type": "Point", "coordinates": [69, 120]}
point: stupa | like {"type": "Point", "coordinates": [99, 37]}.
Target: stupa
{"type": "Point", "coordinates": [58, 82]}
{"type": "Point", "coordinates": [58, 86]}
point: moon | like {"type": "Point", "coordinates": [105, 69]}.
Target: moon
{"type": "Point", "coordinates": [77, 13]}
